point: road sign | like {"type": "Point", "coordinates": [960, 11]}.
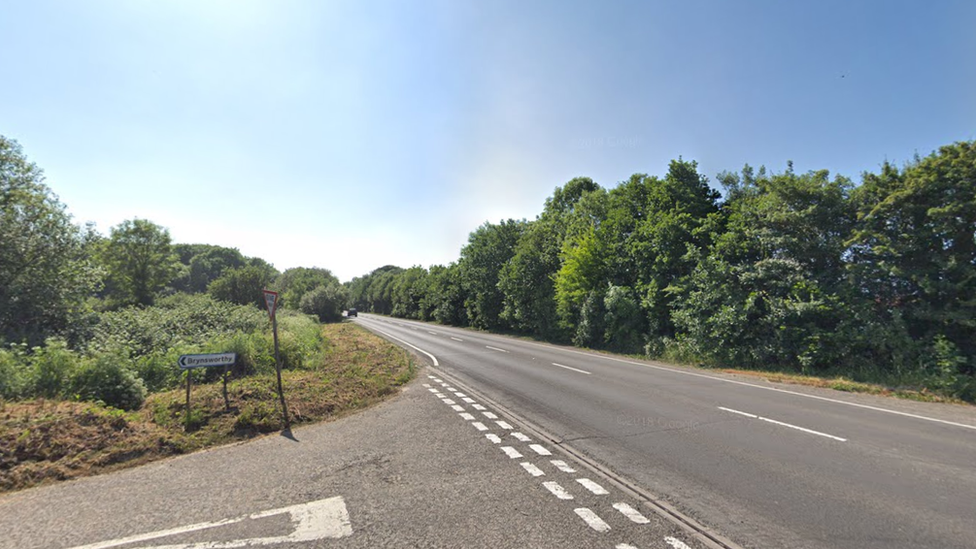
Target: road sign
{"type": "Point", "coordinates": [205, 361]}
{"type": "Point", "coordinates": [271, 301]}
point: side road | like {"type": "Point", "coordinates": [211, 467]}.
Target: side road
{"type": "Point", "coordinates": [430, 468]}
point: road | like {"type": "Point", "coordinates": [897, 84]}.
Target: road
{"type": "Point", "coordinates": [765, 465]}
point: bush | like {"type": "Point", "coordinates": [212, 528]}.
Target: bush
{"type": "Point", "coordinates": [51, 367]}
{"type": "Point", "coordinates": [325, 302]}
{"type": "Point", "coordinates": [104, 378]}
{"type": "Point", "coordinates": [13, 375]}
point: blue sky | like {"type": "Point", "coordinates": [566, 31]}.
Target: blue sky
{"type": "Point", "coordinates": [351, 135]}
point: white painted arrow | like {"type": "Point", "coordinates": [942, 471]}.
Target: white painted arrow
{"type": "Point", "coordinates": [325, 518]}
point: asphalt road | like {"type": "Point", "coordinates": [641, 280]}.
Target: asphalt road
{"type": "Point", "coordinates": [432, 467]}
{"type": "Point", "coordinates": [766, 465]}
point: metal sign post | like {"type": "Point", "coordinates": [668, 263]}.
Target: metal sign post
{"type": "Point", "coordinates": [190, 362]}
{"type": "Point", "coordinates": [271, 301]}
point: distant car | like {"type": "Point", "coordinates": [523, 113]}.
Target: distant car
{"type": "Point", "coordinates": [352, 312]}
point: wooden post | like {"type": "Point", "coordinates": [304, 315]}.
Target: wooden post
{"type": "Point", "coordinates": [226, 400]}
{"type": "Point", "coordinates": [187, 426]}
{"type": "Point", "coordinates": [281, 393]}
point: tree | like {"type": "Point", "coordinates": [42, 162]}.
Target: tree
{"type": "Point", "coordinates": [140, 261]}
{"type": "Point", "coordinates": [45, 272]}
{"type": "Point", "coordinates": [296, 282]}
{"type": "Point", "coordinates": [482, 259]}
{"type": "Point", "coordinates": [325, 302]}
{"type": "Point", "coordinates": [243, 285]}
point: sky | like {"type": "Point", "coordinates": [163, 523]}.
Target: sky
{"type": "Point", "coordinates": [356, 134]}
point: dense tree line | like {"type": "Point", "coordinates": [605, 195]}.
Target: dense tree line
{"type": "Point", "coordinates": [63, 287]}
{"type": "Point", "coordinates": [799, 272]}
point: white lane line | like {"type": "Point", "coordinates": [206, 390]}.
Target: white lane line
{"type": "Point", "coordinates": [478, 407]}
{"type": "Point", "coordinates": [495, 349]}
{"type": "Point", "coordinates": [438, 380]}
{"type": "Point", "coordinates": [490, 415]}
{"type": "Point", "coordinates": [426, 385]}
{"type": "Point", "coordinates": [511, 452]}
{"type": "Point", "coordinates": [592, 519]}
{"type": "Point", "coordinates": [676, 543]}
{"type": "Point", "coordinates": [540, 449]}
{"type": "Point", "coordinates": [431, 333]}
{"type": "Point", "coordinates": [562, 466]}
{"type": "Point", "coordinates": [466, 416]}
{"type": "Point", "coordinates": [441, 396]}
{"type": "Point", "coordinates": [624, 546]}
{"type": "Point", "coordinates": [631, 513]}
{"type": "Point", "coordinates": [532, 469]}
{"type": "Point", "coordinates": [791, 426]}
{"type": "Point", "coordinates": [456, 338]}
{"type": "Point", "coordinates": [430, 376]}
{"type": "Point", "coordinates": [557, 490]}
{"type": "Point", "coordinates": [448, 401]}
{"type": "Point", "coordinates": [457, 408]}
{"type": "Point", "coordinates": [504, 425]}
{"type": "Point", "coordinates": [434, 390]}
{"type": "Point", "coordinates": [592, 486]}
{"type": "Point", "coordinates": [573, 369]}
{"type": "Point", "coordinates": [479, 426]}
{"type": "Point", "coordinates": [494, 438]}
{"type": "Point", "coordinates": [459, 395]}
{"type": "Point", "coordinates": [521, 437]}
{"type": "Point", "coordinates": [754, 386]}
{"type": "Point", "coordinates": [451, 389]}
{"type": "Point", "coordinates": [469, 400]}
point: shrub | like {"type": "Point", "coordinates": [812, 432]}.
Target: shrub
{"type": "Point", "coordinates": [325, 302]}
{"type": "Point", "coordinates": [51, 367]}
{"type": "Point", "coordinates": [13, 378]}
{"type": "Point", "coordinates": [105, 378]}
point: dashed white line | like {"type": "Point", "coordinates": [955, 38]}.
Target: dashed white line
{"type": "Point", "coordinates": [456, 338]}
{"type": "Point", "coordinates": [448, 401]}
{"type": "Point", "coordinates": [466, 416]}
{"type": "Point", "coordinates": [494, 438]}
{"type": "Point", "coordinates": [504, 425]}
{"type": "Point", "coordinates": [438, 380]}
{"type": "Point", "coordinates": [532, 469]}
{"type": "Point", "coordinates": [521, 437]}
{"type": "Point", "coordinates": [571, 368]}
{"type": "Point", "coordinates": [478, 407]}
{"type": "Point", "coordinates": [540, 449]}
{"type": "Point", "coordinates": [511, 452]}
{"type": "Point", "coordinates": [489, 415]}
{"type": "Point", "coordinates": [557, 490]}
{"type": "Point", "coordinates": [495, 349]}
{"type": "Point", "coordinates": [592, 519]}
{"type": "Point", "coordinates": [434, 390]}
{"type": "Point", "coordinates": [592, 486]}
{"type": "Point", "coordinates": [451, 389]}
{"type": "Point", "coordinates": [479, 426]}
{"type": "Point", "coordinates": [624, 546]}
{"type": "Point", "coordinates": [676, 543]}
{"type": "Point", "coordinates": [562, 466]}
{"type": "Point", "coordinates": [431, 333]}
{"type": "Point", "coordinates": [468, 400]}
{"type": "Point", "coordinates": [427, 385]}
{"type": "Point", "coordinates": [773, 421]}
{"type": "Point", "coordinates": [631, 513]}
{"type": "Point", "coordinates": [459, 395]}
{"type": "Point", "coordinates": [457, 408]}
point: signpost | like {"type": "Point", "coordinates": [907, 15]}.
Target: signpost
{"type": "Point", "coordinates": [271, 301]}
{"type": "Point", "coordinates": [190, 362]}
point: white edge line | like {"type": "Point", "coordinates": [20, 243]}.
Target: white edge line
{"type": "Point", "coordinates": [571, 368]}
{"type": "Point", "coordinates": [791, 426]}
{"type": "Point", "coordinates": [676, 543]}
{"type": "Point", "coordinates": [495, 349]}
{"type": "Point", "coordinates": [432, 357]}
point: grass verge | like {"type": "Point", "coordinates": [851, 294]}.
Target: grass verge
{"type": "Point", "coordinates": [43, 441]}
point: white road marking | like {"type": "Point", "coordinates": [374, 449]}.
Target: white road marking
{"type": "Point", "coordinates": [440, 395]}
{"type": "Point", "coordinates": [434, 390]}
{"type": "Point", "coordinates": [490, 415]}
{"type": "Point", "coordinates": [478, 407]}
{"type": "Point", "coordinates": [448, 401]}
{"type": "Point", "coordinates": [479, 426]}
{"type": "Point", "coordinates": [557, 490]}
{"type": "Point", "coordinates": [469, 400]}
{"type": "Point", "coordinates": [592, 519]}
{"type": "Point", "coordinates": [494, 438]}
{"type": "Point", "coordinates": [466, 416]}
{"type": "Point", "coordinates": [592, 486]}
{"type": "Point", "coordinates": [532, 469]}
{"type": "Point", "coordinates": [495, 349]}
{"type": "Point", "coordinates": [438, 380]}
{"type": "Point", "coordinates": [573, 369]}
{"type": "Point", "coordinates": [791, 426]}
{"type": "Point", "coordinates": [430, 376]}
{"type": "Point", "coordinates": [456, 338]}
{"type": "Point", "coordinates": [503, 425]}
{"type": "Point", "coordinates": [431, 333]}
{"type": "Point", "coordinates": [676, 543]}
{"type": "Point", "coordinates": [451, 389]}
{"type": "Point", "coordinates": [540, 449]}
{"type": "Point", "coordinates": [459, 395]}
{"type": "Point", "coordinates": [521, 437]}
{"type": "Point", "coordinates": [511, 452]}
{"type": "Point", "coordinates": [457, 408]}
{"type": "Point", "coordinates": [325, 518]}
{"type": "Point", "coordinates": [562, 466]}
{"type": "Point", "coordinates": [624, 546]}
{"type": "Point", "coordinates": [426, 385]}
{"type": "Point", "coordinates": [631, 513]}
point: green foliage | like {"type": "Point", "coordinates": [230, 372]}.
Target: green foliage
{"type": "Point", "coordinates": [105, 378]}
{"type": "Point", "coordinates": [140, 262]}
{"type": "Point", "coordinates": [243, 285]}
{"type": "Point", "coordinates": [51, 366]}
{"type": "Point", "coordinates": [45, 271]}
{"type": "Point", "coordinates": [489, 248]}
{"type": "Point", "coordinates": [293, 284]}
{"type": "Point", "coordinates": [622, 321]}
{"type": "Point", "coordinates": [325, 302]}
{"type": "Point", "coordinates": [13, 373]}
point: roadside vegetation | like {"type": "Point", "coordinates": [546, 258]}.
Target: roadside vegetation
{"type": "Point", "coordinates": [807, 275]}
{"type": "Point", "coordinates": [92, 326]}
